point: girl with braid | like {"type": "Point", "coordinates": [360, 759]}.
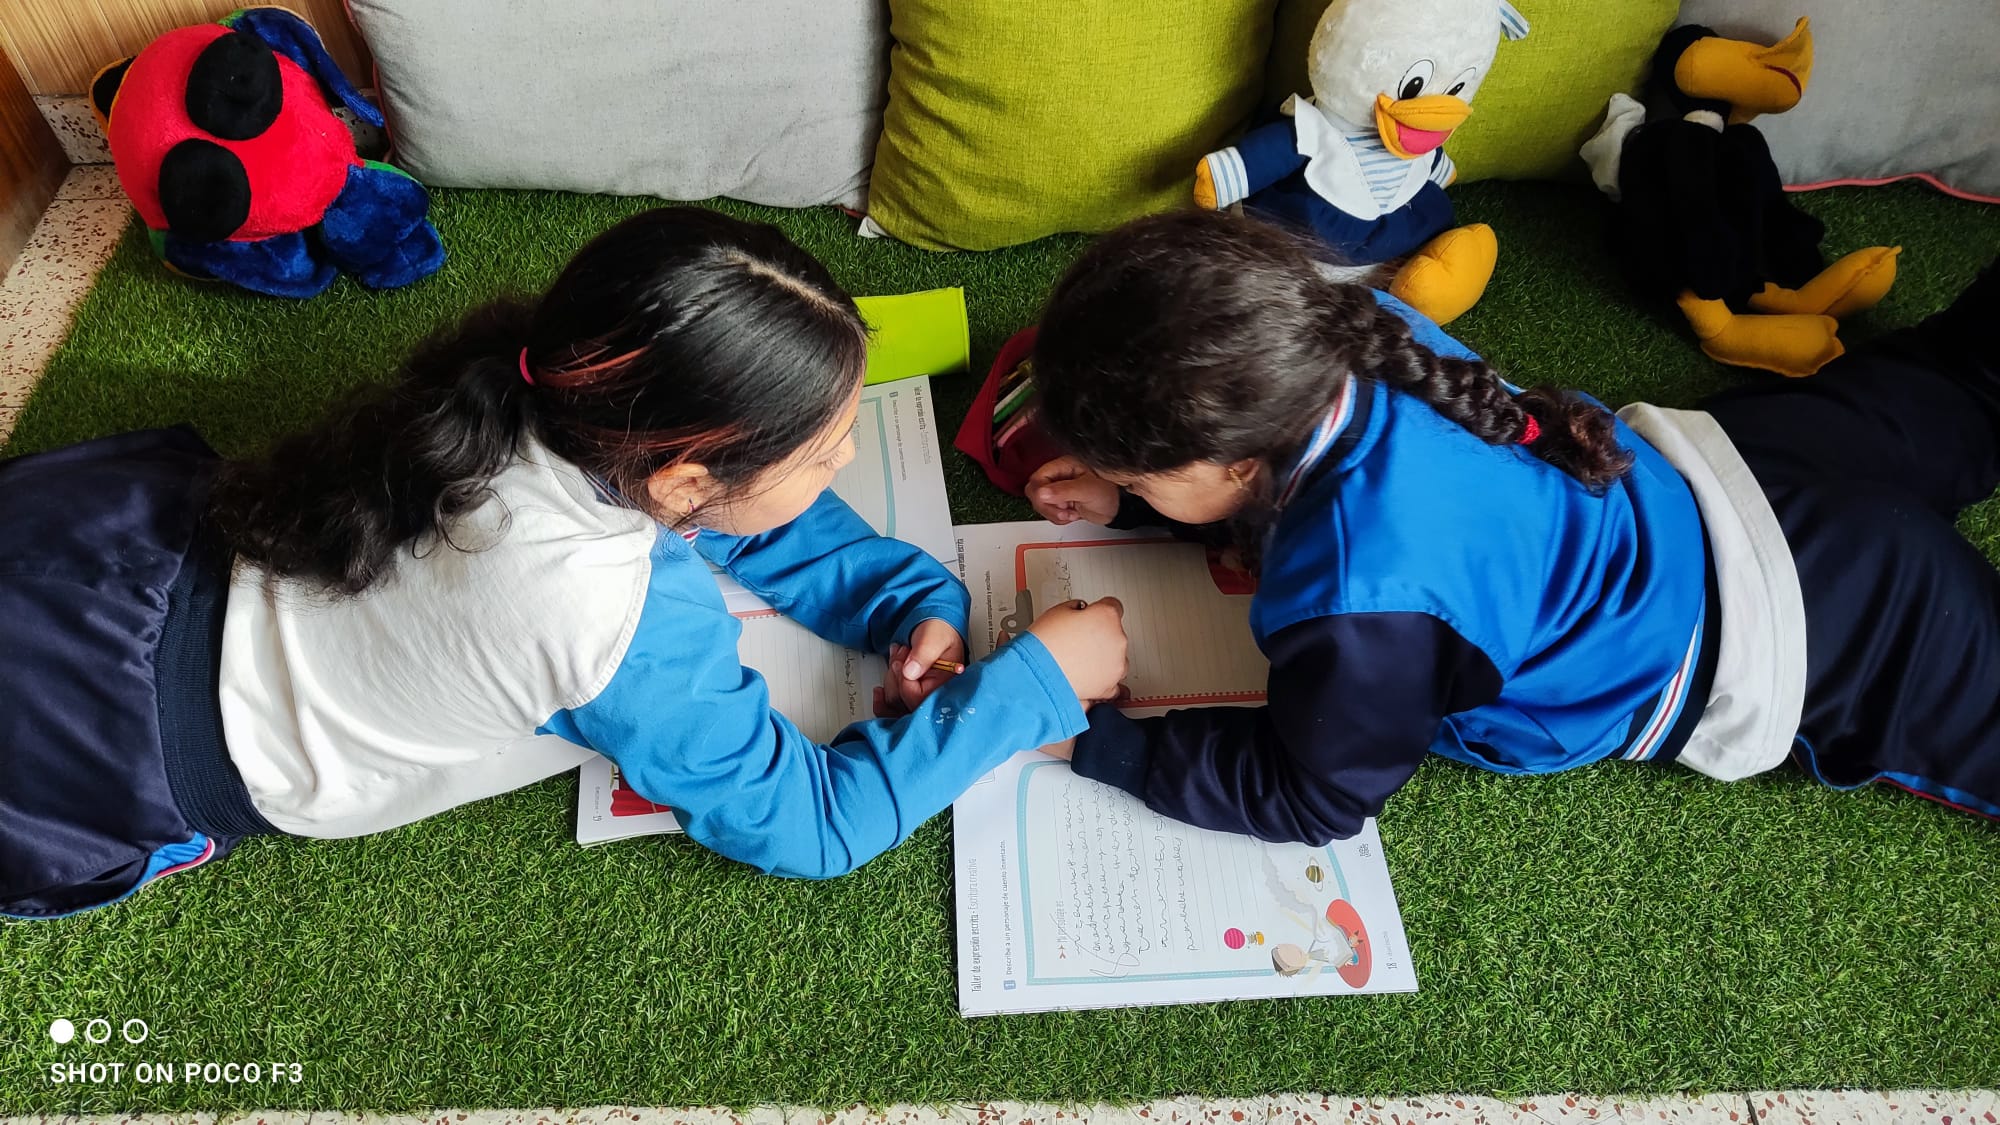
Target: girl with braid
{"type": "Point", "coordinates": [1517, 580]}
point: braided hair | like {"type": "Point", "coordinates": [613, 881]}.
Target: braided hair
{"type": "Point", "coordinates": [677, 336]}
{"type": "Point", "coordinates": [1200, 336]}
{"type": "Point", "coordinates": [1560, 427]}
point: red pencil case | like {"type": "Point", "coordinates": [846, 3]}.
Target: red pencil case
{"type": "Point", "coordinates": [1008, 464]}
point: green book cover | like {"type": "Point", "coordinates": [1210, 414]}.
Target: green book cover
{"type": "Point", "coordinates": [910, 334]}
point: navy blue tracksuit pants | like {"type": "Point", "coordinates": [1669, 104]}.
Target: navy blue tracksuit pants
{"type": "Point", "coordinates": [112, 768]}
{"type": "Point", "coordinates": [1866, 465]}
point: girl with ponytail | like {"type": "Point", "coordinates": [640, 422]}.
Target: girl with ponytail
{"type": "Point", "coordinates": [475, 576]}
{"type": "Point", "coordinates": [1517, 580]}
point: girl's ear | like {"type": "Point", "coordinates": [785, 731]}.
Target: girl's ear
{"type": "Point", "coordinates": [1244, 473]}
{"type": "Point", "coordinates": [678, 491]}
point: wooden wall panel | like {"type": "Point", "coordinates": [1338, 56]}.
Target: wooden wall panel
{"type": "Point", "coordinates": [31, 163]}
{"type": "Point", "coordinates": [59, 44]}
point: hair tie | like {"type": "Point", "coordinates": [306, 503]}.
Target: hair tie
{"type": "Point", "coordinates": [525, 374]}
{"type": "Point", "coordinates": [1531, 433]}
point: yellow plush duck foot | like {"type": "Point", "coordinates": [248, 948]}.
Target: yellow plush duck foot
{"type": "Point", "coordinates": [1793, 344]}
{"type": "Point", "coordinates": [1851, 285]}
{"type": "Point", "coordinates": [1447, 276]}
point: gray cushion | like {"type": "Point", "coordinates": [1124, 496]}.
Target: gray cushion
{"type": "Point", "coordinates": [1897, 88]}
{"type": "Point", "coordinates": [770, 101]}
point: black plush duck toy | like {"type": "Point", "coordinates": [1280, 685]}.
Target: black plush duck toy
{"type": "Point", "coordinates": [1701, 217]}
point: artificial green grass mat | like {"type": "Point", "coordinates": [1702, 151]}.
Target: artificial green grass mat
{"type": "Point", "coordinates": [1618, 928]}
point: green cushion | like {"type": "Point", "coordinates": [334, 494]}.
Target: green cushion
{"type": "Point", "coordinates": [1012, 119]}
{"type": "Point", "coordinates": [1546, 94]}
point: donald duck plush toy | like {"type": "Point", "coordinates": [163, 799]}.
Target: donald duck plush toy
{"type": "Point", "coordinates": [1362, 162]}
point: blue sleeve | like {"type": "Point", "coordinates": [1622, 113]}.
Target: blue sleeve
{"type": "Point", "coordinates": [1265, 155]}
{"type": "Point", "coordinates": [1270, 153]}
{"type": "Point", "coordinates": [1354, 703]}
{"type": "Point", "coordinates": [693, 729]}
{"type": "Point", "coordinates": [830, 572]}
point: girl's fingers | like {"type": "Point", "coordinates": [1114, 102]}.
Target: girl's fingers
{"type": "Point", "coordinates": [1062, 468]}
{"type": "Point", "coordinates": [930, 644]}
{"type": "Point", "coordinates": [1067, 493]}
{"type": "Point", "coordinates": [914, 692]}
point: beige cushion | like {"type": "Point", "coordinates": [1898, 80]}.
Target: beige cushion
{"type": "Point", "coordinates": [770, 101]}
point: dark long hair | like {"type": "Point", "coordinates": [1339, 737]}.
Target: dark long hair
{"type": "Point", "coordinates": [1199, 336]}
{"type": "Point", "coordinates": [678, 336]}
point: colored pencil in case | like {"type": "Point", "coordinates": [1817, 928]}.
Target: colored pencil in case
{"type": "Point", "coordinates": [1010, 390]}
{"type": "Point", "coordinates": [1015, 377]}
{"type": "Point", "coordinates": [1014, 427]}
{"type": "Point", "coordinates": [1014, 403]}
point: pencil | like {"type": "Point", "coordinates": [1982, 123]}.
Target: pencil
{"type": "Point", "coordinates": [952, 666]}
{"type": "Point", "coordinates": [1014, 378]}
{"type": "Point", "coordinates": [1012, 402]}
{"type": "Point", "coordinates": [1013, 427]}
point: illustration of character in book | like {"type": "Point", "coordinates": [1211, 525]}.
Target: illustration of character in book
{"type": "Point", "coordinates": [1017, 622]}
{"type": "Point", "coordinates": [1225, 567]}
{"type": "Point", "coordinates": [1335, 938]}
{"type": "Point", "coordinates": [1347, 924]}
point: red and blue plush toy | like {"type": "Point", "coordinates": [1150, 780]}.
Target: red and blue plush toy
{"type": "Point", "coordinates": [226, 142]}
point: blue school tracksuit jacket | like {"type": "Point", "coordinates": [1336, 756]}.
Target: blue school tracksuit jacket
{"type": "Point", "coordinates": [1424, 592]}
{"type": "Point", "coordinates": [167, 703]}
{"type": "Point", "coordinates": [692, 728]}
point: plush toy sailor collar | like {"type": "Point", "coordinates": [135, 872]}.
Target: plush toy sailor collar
{"type": "Point", "coordinates": [1350, 167]}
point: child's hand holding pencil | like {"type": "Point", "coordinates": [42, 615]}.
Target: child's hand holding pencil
{"type": "Point", "coordinates": [935, 654]}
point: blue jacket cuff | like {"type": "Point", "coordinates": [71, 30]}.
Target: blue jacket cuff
{"type": "Point", "coordinates": [1041, 663]}
{"type": "Point", "coordinates": [1112, 751]}
{"type": "Point", "coordinates": [949, 605]}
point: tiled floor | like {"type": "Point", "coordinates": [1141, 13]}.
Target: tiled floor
{"type": "Point", "coordinates": [75, 238]}
{"type": "Point", "coordinates": [38, 299]}
{"type": "Point", "coordinates": [75, 125]}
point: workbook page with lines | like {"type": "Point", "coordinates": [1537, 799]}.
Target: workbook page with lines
{"type": "Point", "coordinates": [1074, 894]}
{"type": "Point", "coordinates": [1190, 642]}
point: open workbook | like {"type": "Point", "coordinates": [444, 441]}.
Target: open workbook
{"type": "Point", "coordinates": [1073, 894]}
{"type": "Point", "coordinates": [896, 483]}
